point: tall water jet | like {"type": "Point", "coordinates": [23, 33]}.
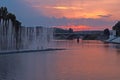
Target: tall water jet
{"type": "Point", "coordinates": [27, 38]}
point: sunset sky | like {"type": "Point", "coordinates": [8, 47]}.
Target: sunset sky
{"type": "Point", "coordinates": [77, 14]}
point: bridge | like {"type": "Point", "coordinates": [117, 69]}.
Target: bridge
{"type": "Point", "coordinates": [69, 35]}
{"type": "Point", "coordinates": [75, 35]}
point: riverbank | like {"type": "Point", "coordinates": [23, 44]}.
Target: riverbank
{"type": "Point", "coordinates": [30, 51]}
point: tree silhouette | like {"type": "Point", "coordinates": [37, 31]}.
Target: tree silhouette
{"type": "Point", "coordinates": [106, 33]}
{"type": "Point", "coordinates": [116, 27]}
{"type": "Point", "coordinates": [5, 16]}
{"type": "Point", "coordinates": [6, 19]}
{"type": "Point", "coordinates": [70, 30]}
{"type": "Point", "coordinates": [3, 13]}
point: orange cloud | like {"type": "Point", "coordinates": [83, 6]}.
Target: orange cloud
{"type": "Point", "coordinates": [70, 12]}
{"type": "Point", "coordinates": [65, 8]}
{"type": "Point", "coordinates": [77, 8]}
{"type": "Point", "coordinates": [73, 12]}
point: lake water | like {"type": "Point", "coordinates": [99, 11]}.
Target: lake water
{"type": "Point", "coordinates": [86, 60]}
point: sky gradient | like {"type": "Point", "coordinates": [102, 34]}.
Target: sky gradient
{"type": "Point", "coordinates": [77, 14]}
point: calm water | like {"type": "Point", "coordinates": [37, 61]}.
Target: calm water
{"type": "Point", "coordinates": [87, 60]}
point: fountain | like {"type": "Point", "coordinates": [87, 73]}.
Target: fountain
{"type": "Point", "coordinates": [26, 38]}
{"type": "Point", "coordinates": [15, 38]}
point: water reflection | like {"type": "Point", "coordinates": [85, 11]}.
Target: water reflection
{"type": "Point", "coordinates": [88, 60]}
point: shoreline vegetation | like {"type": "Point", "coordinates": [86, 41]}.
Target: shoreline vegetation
{"type": "Point", "coordinates": [106, 35]}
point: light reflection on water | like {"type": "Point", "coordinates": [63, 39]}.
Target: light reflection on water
{"type": "Point", "coordinates": [87, 60]}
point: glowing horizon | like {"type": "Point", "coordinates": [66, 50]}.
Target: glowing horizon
{"type": "Point", "coordinates": [79, 27]}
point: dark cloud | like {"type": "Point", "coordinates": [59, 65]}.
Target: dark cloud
{"type": "Point", "coordinates": [105, 16]}
{"type": "Point", "coordinates": [45, 21]}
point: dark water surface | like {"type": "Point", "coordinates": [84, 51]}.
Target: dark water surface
{"type": "Point", "coordinates": [87, 60]}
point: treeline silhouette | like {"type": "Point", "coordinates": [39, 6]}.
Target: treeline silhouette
{"type": "Point", "coordinates": [7, 17]}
